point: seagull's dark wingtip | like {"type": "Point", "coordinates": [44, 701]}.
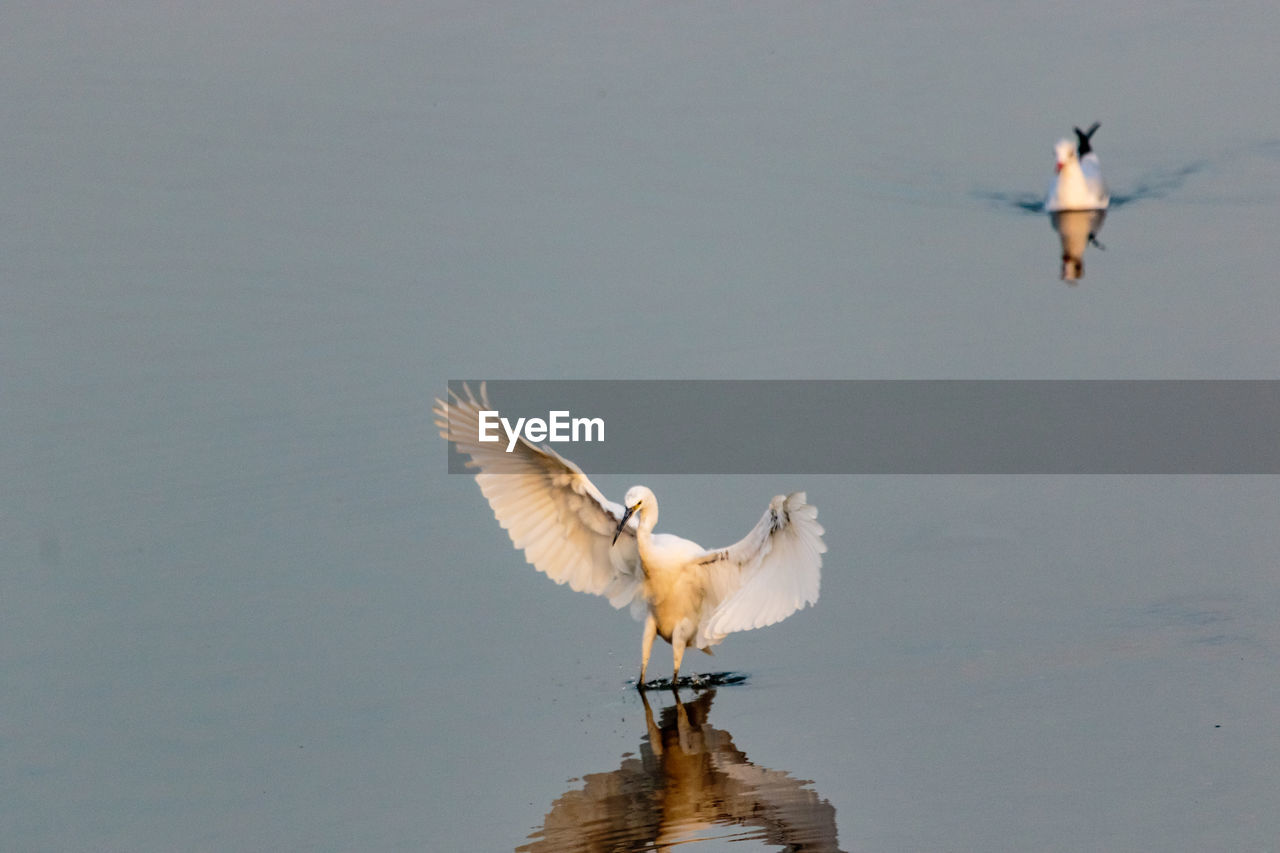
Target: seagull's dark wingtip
{"type": "Point", "coordinates": [1082, 138]}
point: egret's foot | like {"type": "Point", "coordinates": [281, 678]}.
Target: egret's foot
{"type": "Point", "coordinates": [698, 681]}
{"type": "Point", "coordinates": [720, 679]}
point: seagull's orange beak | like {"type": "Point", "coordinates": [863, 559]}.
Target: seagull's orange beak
{"type": "Point", "coordinates": [1057, 168]}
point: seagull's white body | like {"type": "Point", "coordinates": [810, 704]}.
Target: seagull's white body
{"type": "Point", "coordinates": [686, 594]}
{"type": "Point", "coordinates": [1078, 183]}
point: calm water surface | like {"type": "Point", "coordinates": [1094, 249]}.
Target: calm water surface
{"type": "Point", "coordinates": [245, 607]}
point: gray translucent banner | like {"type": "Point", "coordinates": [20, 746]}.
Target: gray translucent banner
{"type": "Point", "coordinates": [904, 426]}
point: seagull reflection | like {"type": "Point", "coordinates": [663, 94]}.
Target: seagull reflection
{"type": "Point", "coordinates": [1078, 229]}
{"type": "Point", "coordinates": [689, 784]}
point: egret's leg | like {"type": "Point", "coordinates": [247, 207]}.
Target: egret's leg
{"type": "Point", "coordinates": [646, 646]}
{"type": "Point", "coordinates": [677, 655]}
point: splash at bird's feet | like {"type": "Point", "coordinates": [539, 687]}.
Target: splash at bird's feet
{"type": "Point", "coordinates": [697, 681]}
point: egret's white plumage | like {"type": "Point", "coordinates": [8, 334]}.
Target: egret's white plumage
{"type": "Point", "coordinates": [688, 595]}
{"type": "Point", "coordinates": [1077, 184]}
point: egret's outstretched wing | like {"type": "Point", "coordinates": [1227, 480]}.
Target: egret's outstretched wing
{"type": "Point", "coordinates": [551, 510]}
{"type": "Point", "coordinates": [773, 572]}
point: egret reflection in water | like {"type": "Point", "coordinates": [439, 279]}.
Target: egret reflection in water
{"type": "Point", "coordinates": [1077, 229]}
{"type": "Point", "coordinates": [689, 783]}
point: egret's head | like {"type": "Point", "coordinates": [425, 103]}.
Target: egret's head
{"type": "Point", "coordinates": [1065, 152]}
{"type": "Point", "coordinates": [639, 500]}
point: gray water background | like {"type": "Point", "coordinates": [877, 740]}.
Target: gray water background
{"type": "Point", "coordinates": [244, 607]}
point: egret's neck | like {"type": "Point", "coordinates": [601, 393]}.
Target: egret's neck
{"type": "Point", "coordinates": [644, 532]}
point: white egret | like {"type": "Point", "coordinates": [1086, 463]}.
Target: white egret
{"type": "Point", "coordinates": [686, 594]}
{"type": "Point", "coordinates": [1078, 183]}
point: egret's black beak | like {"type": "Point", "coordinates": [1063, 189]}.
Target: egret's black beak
{"type": "Point", "coordinates": [621, 524]}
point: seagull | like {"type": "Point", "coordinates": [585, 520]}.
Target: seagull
{"type": "Point", "coordinates": [686, 594]}
{"type": "Point", "coordinates": [1078, 184]}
